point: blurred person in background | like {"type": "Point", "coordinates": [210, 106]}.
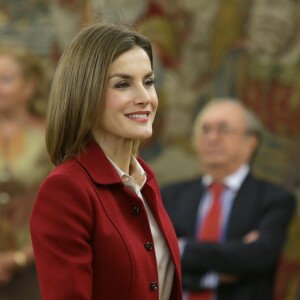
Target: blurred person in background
{"type": "Point", "coordinates": [231, 225]}
{"type": "Point", "coordinates": [23, 165]}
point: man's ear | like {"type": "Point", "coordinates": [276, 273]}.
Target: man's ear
{"type": "Point", "coordinates": [253, 144]}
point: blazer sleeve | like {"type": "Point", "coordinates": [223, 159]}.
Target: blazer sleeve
{"type": "Point", "coordinates": [61, 226]}
{"type": "Point", "coordinates": [237, 257]}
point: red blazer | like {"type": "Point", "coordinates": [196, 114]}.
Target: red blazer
{"type": "Point", "coordinates": [89, 233]}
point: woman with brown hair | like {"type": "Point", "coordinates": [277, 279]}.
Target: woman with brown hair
{"type": "Point", "coordinates": [98, 227]}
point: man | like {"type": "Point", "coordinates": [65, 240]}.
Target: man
{"type": "Point", "coordinates": [229, 250]}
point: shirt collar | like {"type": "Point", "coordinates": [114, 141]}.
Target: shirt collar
{"type": "Point", "coordinates": [136, 172]}
{"type": "Point", "coordinates": [233, 181]}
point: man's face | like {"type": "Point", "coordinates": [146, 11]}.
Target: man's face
{"type": "Point", "coordinates": [223, 142]}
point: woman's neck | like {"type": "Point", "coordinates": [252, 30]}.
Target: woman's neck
{"type": "Point", "coordinates": [121, 156]}
{"type": "Point", "coordinates": [119, 151]}
{"type": "Point", "coordinates": [12, 141]}
{"type": "Point", "coordinates": [20, 116]}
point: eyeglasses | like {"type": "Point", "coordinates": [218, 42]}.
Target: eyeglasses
{"type": "Point", "coordinates": [222, 131]}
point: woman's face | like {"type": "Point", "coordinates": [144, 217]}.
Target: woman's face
{"type": "Point", "coordinates": [15, 90]}
{"type": "Point", "coordinates": [130, 101]}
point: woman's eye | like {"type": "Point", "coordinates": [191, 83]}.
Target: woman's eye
{"type": "Point", "coordinates": [122, 84]}
{"type": "Point", "coordinates": [149, 82]}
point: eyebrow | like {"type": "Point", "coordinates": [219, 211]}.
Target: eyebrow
{"type": "Point", "coordinates": [126, 76]}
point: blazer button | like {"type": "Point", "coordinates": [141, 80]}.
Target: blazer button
{"type": "Point", "coordinates": [136, 210]}
{"type": "Point", "coordinates": [153, 286]}
{"type": "Point", "coordinates": [148, 246]}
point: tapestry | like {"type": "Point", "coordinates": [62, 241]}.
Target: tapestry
{"type": "Point", "coordinates": [203, 49]}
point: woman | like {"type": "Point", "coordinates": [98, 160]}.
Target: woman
{"type": "Point", "coordinates": [23, 165]}
{"type": "Point", "coordinates": [98, 227]}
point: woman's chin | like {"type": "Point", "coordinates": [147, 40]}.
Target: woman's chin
{"type": "Point", "coordinates": [145, 135]}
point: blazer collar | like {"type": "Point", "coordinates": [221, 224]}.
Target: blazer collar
{"type": "Point", "coordinates": [98, 166]}
{"type": "Point", "coordinates": [95, 162]}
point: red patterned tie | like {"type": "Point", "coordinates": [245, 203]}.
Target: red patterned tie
{"type": "Point", "coordinates": [210, 230]}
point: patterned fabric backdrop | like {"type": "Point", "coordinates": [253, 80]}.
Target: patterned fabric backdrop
{"type": "Point", "coordinates": [203, 49]}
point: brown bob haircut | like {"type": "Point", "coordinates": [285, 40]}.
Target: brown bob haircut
{"type": "Point", "coordinates": [79, 86]}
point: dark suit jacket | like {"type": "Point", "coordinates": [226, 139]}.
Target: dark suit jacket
{"type": "Point", "coordinates": [90, 234]}
{"type": "Point", "coordinates": [257, 206]}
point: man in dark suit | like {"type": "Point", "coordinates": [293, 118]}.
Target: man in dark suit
{"type": "Point", "coordinates": [240, 261]}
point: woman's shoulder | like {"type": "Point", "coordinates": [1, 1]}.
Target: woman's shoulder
{"type": "Point", "coordinates": [69, 168]}
{"type": "Point", "coordinates": [67, 176]}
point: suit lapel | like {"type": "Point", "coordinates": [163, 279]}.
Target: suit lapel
{"type": "Point", "coordinates": [190, 207]}
{"type": "Point", "coordinates": [243, 208]}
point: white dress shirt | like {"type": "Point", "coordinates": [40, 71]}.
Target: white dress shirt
{"type": "Point", "coordinates": [232, 184]}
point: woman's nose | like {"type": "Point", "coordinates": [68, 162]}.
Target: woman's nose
{"type": "Point", "coordinates": [142, 96]}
